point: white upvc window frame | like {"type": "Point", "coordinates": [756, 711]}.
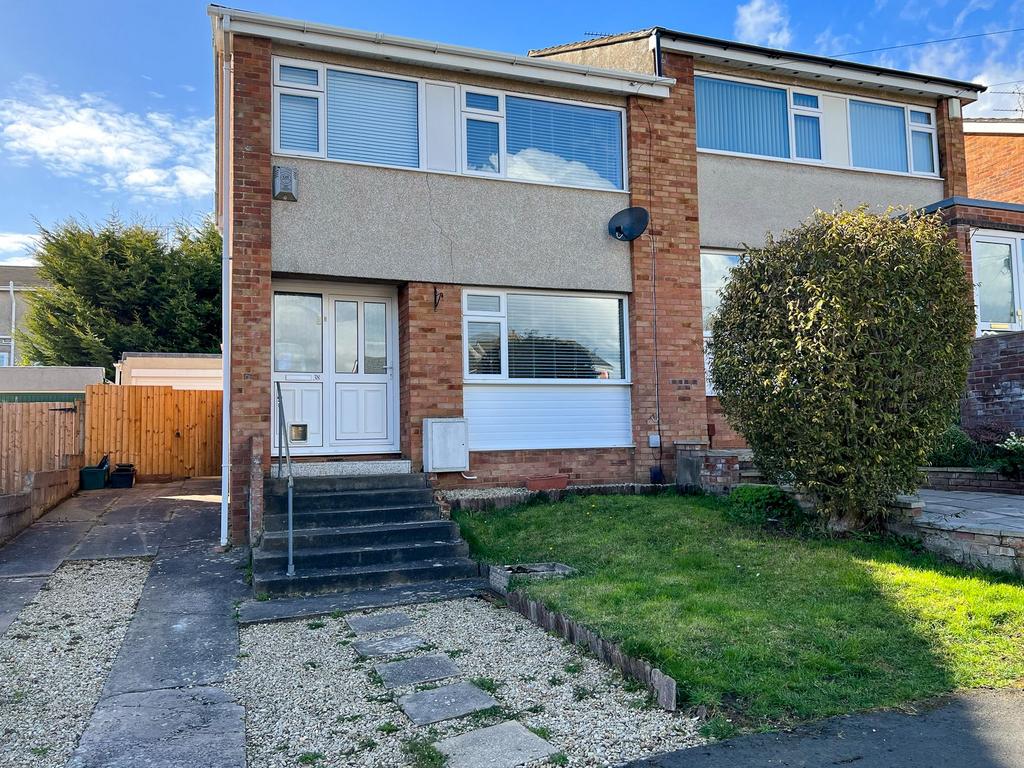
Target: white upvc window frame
{"type": "Point", "coordinates": [930, 129]}
{"type": "Point", "coordinates": [709, 388]}
{"type": "Point", "coordinates": [501, 317]}
{"type": "Point", "coordinates": [463, 113]}
{"type": "Point", "coordinates": [815, 112]}
{"type": "Point", "coordinates": [483, 117]}
{"type": "Point", "coordinates": [1016, 243]}
{"type": "Point", "coordinates": [849, 166]}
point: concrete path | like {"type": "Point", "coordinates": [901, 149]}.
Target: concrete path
{"type": "Point", "coordinates": [980, 729]}
{"type": "Point", "coordinates": [995, 513]}
{"type": "Point", "coordinates": [161, 704]}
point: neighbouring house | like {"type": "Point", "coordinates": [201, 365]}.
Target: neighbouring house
{"type": "Point", "coordinates": [183, 370]}
{"type": "Point", "coordinates": [15, 284]}
{"type": "Point", "coordinates": [420, 231]}
{"type": "Point", "coordinates": [995, 158]}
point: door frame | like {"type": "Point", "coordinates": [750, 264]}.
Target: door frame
{"type": "Point", "coordinates": [1013, 239]}
{"type": "Point", "coordinates": [329, 291]}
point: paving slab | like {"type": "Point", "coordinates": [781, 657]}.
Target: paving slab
{"type": "Point", "coordinates": [148, 512]}
{"type": "Point", "coordinates": [164, 729]}
{"type": "Point", "coordinates": [505, 745]}
{"type": "Point", "coordinates": [445, 703]}
{"type": "Point", "coordinates": [365, 625]}
{"type": "Point", "coordinates": [38, 550]}
{"type": "Point", "coordinates": [84, 506]}
{"type": "Point", "coordinates": [389, 646]}
{"type": "Point", "coordinates": [194, 580]}
{"type": "Point", "coordinates": [421, 669]}
{"type": "Point", "coordinates": [285, 608]}
{"type": "Point", "coordinates": [14, 595]}
{"type": "Point", "coordinates": [105, 542]}
{"type": "Point", "coordinates": [165, 650]}
{"type": "Point", "coordinates": [978, 729]}
{"type": "Point", "coordinates": [193, 525]}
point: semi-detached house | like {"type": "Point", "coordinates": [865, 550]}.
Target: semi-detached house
{"type": "Point", "coordinates": [446, 253]}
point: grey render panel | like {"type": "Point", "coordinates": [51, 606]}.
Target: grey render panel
{"type": "Point", "coordinates": [378, 223]}
{"type": "Point", "coordinates": [742, 198]}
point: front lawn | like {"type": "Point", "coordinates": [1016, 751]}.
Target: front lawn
{"type": "Point", "coordinates": [765, 628]}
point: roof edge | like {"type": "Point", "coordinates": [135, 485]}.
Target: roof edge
{"type": "Point", "coordinates": [974, 202]}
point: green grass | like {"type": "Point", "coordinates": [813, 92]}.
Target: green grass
{"type": "Point", "coordinates": [423, 754]}
{"type": "Point", "coordinates": [769, 629]}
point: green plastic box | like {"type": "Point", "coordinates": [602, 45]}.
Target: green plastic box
{"type": "Point", "coordinates": [93, 478]}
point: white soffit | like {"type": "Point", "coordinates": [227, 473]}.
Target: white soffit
{"type": "Point", "coordinates": [994, 125]}
{"type": "Point", "coordinates": [448, 57]}
{"type": "Point", "coordinates": [833, 71]}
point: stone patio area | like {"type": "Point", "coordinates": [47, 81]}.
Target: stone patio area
{"type": "Point", "coordinates": [983, 530]}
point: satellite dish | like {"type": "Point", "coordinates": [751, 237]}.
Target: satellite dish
{"type": "Point", "coordinates": [629, 223]}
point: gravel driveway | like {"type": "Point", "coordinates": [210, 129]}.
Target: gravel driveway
{"type": "Point", "coordinates": [56, 654]}
{"type": "Point", "coordinates": [310, 699]}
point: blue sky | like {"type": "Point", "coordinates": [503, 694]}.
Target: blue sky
{"type": "Point", "coordinates": [107, 106]}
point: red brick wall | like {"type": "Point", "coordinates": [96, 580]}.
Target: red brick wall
{"type": "Point", "coordinates": [662, 144]}
{"type": "Point", "coordinates": [250, 285]}
{"type": "Point", "coordinates": [429, 360]}
{"type": "Point", "coordinates": [724, 436]}
{"type": "Point", "coordinates": [952, 157]}
{"type": "Point", "coordinates": [995, 384]}
{"type": "Point", "coordinates": [584, 466]}
{"type": "Point", "coordinates": [995, 167]}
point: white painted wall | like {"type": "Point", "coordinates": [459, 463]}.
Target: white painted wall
{"type": "Point", "coordinates": [531, 416]}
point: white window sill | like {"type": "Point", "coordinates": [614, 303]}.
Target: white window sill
{"type": "Point", "coordinates": [819, 164]}
{"type": "Point", "coordinates": [551, 382]}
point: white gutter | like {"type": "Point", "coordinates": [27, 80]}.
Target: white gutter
{"type": "Point", "coordinates": [989, 125]}
{"type": "Point", "coordinates": [737, 56]}
{"type": "Point", "coordinates": [422, 52]}
{"type": "Point", "coordinates": [225, 275]}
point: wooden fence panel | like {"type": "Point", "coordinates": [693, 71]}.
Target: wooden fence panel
{"type": "Point", "coordinates": [37, 437]}
{"type": "Point", "coordinates": [166, 433]}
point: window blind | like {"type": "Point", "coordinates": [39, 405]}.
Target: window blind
{"type": "Point", "coordinates": [739, 117]}
{"type": "Point", "coordinates": [372, 119]}
{"type": "Point", "coordinates": [564, 337]}
{"type": "Point", "coordinates": [482, 152]}
{"type": "Point", "coordinates": [807, 132]}
{"type": "Point", "coordinates": [563, 143]}
{"type": "Point", "coordinates": [300, 123]}
{"type": "Point", "coordinates": [921, 147]}
{"type": "Point", "coordinates": [878, 136]}
{"type": "Point", "coordinates": [298, 75]}
{"type": "Point", "coordinates": [486, 101]}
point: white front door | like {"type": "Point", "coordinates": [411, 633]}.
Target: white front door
{"type": "Point", "coordinates": [335, 353]}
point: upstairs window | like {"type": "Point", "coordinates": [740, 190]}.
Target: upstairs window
{"type": "Point", "coordinates": [340, 114]}
{"type": "Point", "coordinates": [790, 123]}
{"type": "Point", "coordinates": [878, 136]}
{"type": "Point", "coordinates": [740, 117]}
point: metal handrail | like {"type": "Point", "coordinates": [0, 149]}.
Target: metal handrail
{"type": "Point", "coordinates": [283, 429]}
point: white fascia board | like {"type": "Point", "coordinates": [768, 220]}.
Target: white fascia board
{"type": "Point", "coordinates": [450, 57]}
{"type": "Point", "coordinates": [834, 73]}
{"type": "Point", "coordinates": [1015, 127]}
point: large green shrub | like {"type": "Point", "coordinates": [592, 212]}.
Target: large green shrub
{"type": "Point", "coordinates": [839, 351]}
{"type": "Point", "coordinates": [956, 448]}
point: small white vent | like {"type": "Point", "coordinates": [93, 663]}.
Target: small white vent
{"type": "Point", "coordinates": [445, 445]}
{"type": "Point", "coordinates": [286, 183]}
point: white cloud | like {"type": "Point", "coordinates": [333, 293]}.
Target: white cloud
{"type": "Point", "coordinates": [537, 165]}
{"type": "Point", "coordinates": [765, 22]}
{"type": "Point", "coordinates": [148, 156]}
{"type": "Point", "coordinates": [15, 248]}
{"type": "Point", "coordinates": [828, 43]}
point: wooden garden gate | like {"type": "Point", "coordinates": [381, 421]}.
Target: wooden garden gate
{"type": "Point", "coordinates": [168, 434]}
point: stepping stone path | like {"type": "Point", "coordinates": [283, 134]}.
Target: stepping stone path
{"type": "Point", "coordinates": [421, 669]}
{"type": "Point", "coordinates": [505, 745]}
{"type": "Point", "coordinates": [389, 646]}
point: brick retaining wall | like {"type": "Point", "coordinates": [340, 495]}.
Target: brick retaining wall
{"type": "Point", "coordinates": [995, 384]}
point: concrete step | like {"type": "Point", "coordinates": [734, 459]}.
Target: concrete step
{"type": "Point", "coordinates": [349, 467]}
{"type": "Point", "coordinates": [266, 562]}
{"type": "Point", "coordinates": [314, 580]}
{"type": "Point", "coordinates": [355, 499]}
{"type": "Point", "coordinates": [341, 518]}
{"type": "Point", "coordinates": [341, 483]}
{"type": "Point", "coordinates": [364, 535]}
